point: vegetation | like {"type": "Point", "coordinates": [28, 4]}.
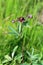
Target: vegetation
{"type": "Point", "coordinates": [21, 32]}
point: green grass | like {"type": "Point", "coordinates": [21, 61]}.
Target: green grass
{"type": "Point", "coordinates": [29, 40]}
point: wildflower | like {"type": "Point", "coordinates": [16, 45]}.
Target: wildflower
{"type": "Point", "coordinates": [21, 19]}
{"type": "Point", "coordinates": [30, 16]}
{"type": "Point", "coordinates": [13, 21]}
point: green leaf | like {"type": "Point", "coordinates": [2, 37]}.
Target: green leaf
{"type": "Point", "coordinates": [28, 53]}
{"type": "Point", "coordinates": [20, 27]}
{"type": "Point", "coordinates": [5, 61]}
{"type": "Point", "coordinates": [8, 57]}
{"type": "Point", "coordinates": [18, 58]}
{"type": "Point", "coordinates": [14, 50]}
{"type": "Point", "coordinates": [13, 31]}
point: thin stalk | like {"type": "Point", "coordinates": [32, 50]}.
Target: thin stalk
{"type": "Point", "coordinates": [23, 45]}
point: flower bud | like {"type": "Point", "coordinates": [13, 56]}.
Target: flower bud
{"type": "Point", "coordinates": [13, 21]}
{"type": "Point", "coordinates": [30, 16]}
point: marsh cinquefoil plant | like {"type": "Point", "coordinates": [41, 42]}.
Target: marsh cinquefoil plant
{"type": "Point", "coordinates": [24, 36]}
{"type": "Point", "coordinates": [33, 59]}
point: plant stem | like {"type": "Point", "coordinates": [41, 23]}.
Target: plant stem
{"type": "Point", "coordinates": [23, 45]}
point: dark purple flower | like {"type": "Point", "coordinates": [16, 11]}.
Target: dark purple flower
{"type": "Point", "coordinates": [21, 19]}
{"type": "Point", "coordinates": [30, 16]}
